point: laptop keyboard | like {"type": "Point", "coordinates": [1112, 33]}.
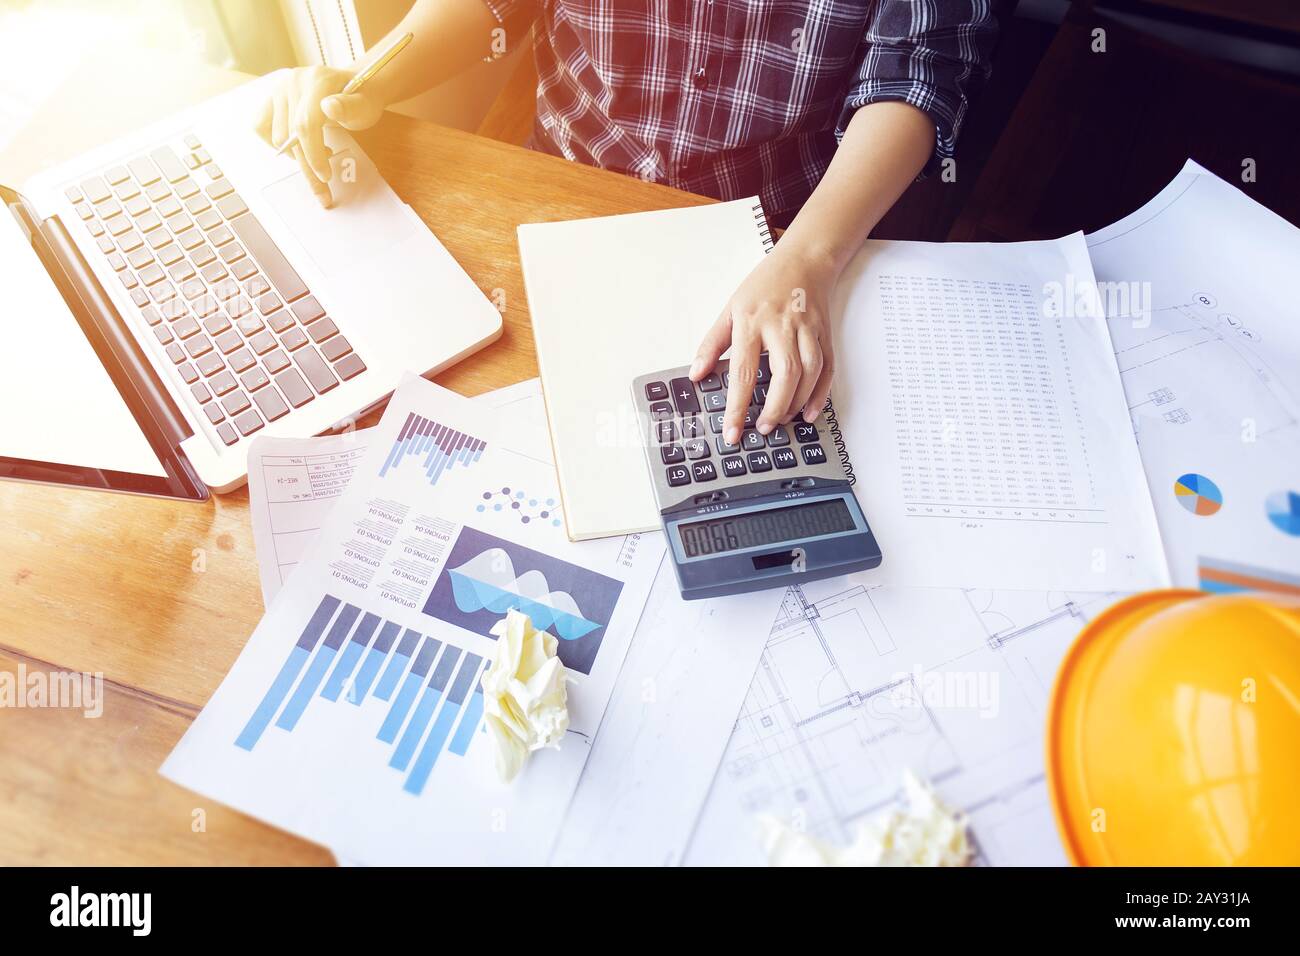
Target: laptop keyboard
{"type": "Point", "coordinates": [242, 330]}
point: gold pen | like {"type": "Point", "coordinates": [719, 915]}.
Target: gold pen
{"type": "Point", "coordinates": [360, 79]}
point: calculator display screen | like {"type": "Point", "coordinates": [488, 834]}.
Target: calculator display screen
{"type": "Point", "coordinates": [755, 529]}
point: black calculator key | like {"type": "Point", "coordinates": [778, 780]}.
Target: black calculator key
{"type": "Point", "coordinates": [764, 373]}
{"type": "Point", "coordinates": [665, 432]}
{"type": "Point", "coordinates": [656, 391]}
{"type": "Point", "coordinates": [751, 416]}
{"type": "Point", "coordinates": [733, 467]}
{"type": "Point", "coordinates": [672, 454]}
{"type": "Point", "coordinates": [704, 471]}
{"type": "Point", "coordinates": [711, 382]}
{"type": "Point", "coordinates": [760, 461]}
{"type": "Point", "coordinates": [725, 447]}
{"type": "Point", "coordinates": [751, 441]}
{"type": "Point", "coordinates": [696, 448]}
{"type": "Point", "coordinates": [684, 396]}
{"type": "Point", "coordinates": [661, 410]}
{"type": "Point", "coordinates": [715, 422]}
{"type": "Point", "coordinates": [678, 475]}
{"type": "Point", "coordinates": [784, 457]}
{"type": "Point", "coordinates": [814, 455]}
{"type": "Point", "coordinates": [805, 432]}
{"type": "Point", "coordinates": [715, 401]}
{"type": "Point", "coordinates": [760, 395]}
{"type": "Point", "coordinates": [691, 428]}
{"type": "Point", "coordinates": [778, 437]}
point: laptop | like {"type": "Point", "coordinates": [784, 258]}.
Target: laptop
{"type": "Point", "coordinates": [170, 296]}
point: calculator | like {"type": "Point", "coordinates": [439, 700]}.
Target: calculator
{"type": "Point", "coordinates": [770, 511]}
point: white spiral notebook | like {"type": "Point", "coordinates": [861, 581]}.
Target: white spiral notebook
{"type": "Point", "coordinates": [611, 299]}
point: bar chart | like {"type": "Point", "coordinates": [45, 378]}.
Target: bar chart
{"type": "Point", "coordinates": [439, 446]}
{"type": "Point", "coordinates": [344, 654]}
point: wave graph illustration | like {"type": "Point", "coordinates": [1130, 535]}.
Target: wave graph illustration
{"type": "Point", "coordinates": [487, 581]}
{"type": "Point", "coordinates": [485, 576]}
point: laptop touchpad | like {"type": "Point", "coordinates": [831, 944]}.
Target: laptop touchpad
{"type": "Point", "coordinates": [366, 219]}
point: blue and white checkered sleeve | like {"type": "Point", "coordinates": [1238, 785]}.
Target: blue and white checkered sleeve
{"type": "Point", "coordinates": [933, 54]}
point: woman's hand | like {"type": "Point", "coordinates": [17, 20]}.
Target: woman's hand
{"type": "Point", "coordinates": [781, 308]}
{"type": "Point", "coordinates": [306, 99]}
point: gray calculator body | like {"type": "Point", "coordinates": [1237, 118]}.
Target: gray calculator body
{"type": "Point", "coordinates": [770, 511]}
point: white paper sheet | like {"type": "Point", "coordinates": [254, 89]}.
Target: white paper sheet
{"type": "Point", "coordinates": [675, 702]}
{"type": "Point", "coordinates": [859, 683]}
{"type": "Point", "coordinates": [1206, 328]}
{"type": "Point", "coordinates": [387, 763]}
{"type": "Point", "coordinates": [293, 482]}
{"type": "Point", "coordinates": [982, 409]}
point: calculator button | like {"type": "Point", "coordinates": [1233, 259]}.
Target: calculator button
{"type": "Point", "coordinates": [805, 432]}
{"type": "Point", "coordinates": [814, 455]}
{"type": "Point", "coordinates": [678, 475]}
{"type": "Point", "coordinates": [760, 395]}
{"type": "Point", "coordinates": [751, 441]}
{"type": "Point", "coordinates": [661, 410]}
{"type": "Point", "coordinates": [672, 454]}
{"type": "Point", "coordinates": [733, 467]}
{"type": "Point", "coordinates": [778, 437]}
{"type": "Point", "coordinates": [691, 428]}
{"type": "Point", "coordinates": [784, 458]}
{"type": "Point", "coordinates": [711, 382]}
{"type": "Point", "coordinates": [725, 447]}
{"type": "Point", "coordinates": [665, 432]}
{"type": "Point", "coordinates": [760, 461]}
{"type": "Point", "coordinates": [764, 373]}
{"type": "Point", "coordinates": [715, 422]}
{"type": "Point", "coordinates": [704, 471]}
{"type": "Point", "coordinates": [656, 391]}
{"type": "Point", "coordinates": [715, 401]}
{"type": "Point", "coordinates": [751, 416]}
{"type": "Point", "coordinates": [684, 396]}
{"type": "Point", "coordinates": [696, 448]}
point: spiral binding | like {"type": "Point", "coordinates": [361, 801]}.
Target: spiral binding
{"type": "Point", "coordinates": [837, 436]}
{"type": "Point", "coordinates": [764, 233]}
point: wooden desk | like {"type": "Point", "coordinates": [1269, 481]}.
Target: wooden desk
{"type": "Point", "coordinates": [107, 583]}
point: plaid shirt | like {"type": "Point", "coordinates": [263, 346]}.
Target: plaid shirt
{"type": "Point", "coordinates": [733, 98]}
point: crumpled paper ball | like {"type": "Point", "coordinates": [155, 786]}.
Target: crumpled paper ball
{"type": "Point", "coordinates": [524, 694]}
{"type": "Point", "coordinates": [923, 832]}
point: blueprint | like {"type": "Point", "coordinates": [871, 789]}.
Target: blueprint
{"type": "Point", "coordinates": [858, 683]}
{"type": "Point", "coordinates": [1198, 290]}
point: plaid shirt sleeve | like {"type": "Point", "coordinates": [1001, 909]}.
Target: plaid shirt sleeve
{"type": "Point", "coordinates": [933, 54]}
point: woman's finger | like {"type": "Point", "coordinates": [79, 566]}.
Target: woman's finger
{"type": "Point", "coordinates": [822, 391]}
{"type": "Point", "coordinates": [742, 373]}
{"type": "Point", "coordinates": [783, 359]}
{"type": "Point", "coordinates": [711, 348]}
{"type": "Point", "coordinates": [810, 361]}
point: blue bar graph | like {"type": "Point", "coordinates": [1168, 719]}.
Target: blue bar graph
{"type": "Point", "coordinates": [435, 693]}
{"type": "Point", "coordinates": [348, 659]}
{"type": "Point", "coordinates": [410, 687]}
{"type": "Point", "coordinates": [440, 447]}
{"type": "Point", "coordinates": [442, 726]}
{"type": "Point", "coordinates": [397, 665]}
{"type": "Point", "coordinates": [374, 660]}
{"type": "Point", "coordinates": [424, 709]}
{"type": "Point", "coordinates": [298, 657]}
{"type": "Point", "coordinates": [316, 670]}
{"type": "Point", "coordinates": [469, 723]}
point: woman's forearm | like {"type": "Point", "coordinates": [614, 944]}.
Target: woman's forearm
{"type": "Point", "coordinates": [449, 36]}
{"type": "Point", "coordinates": [884, 148]}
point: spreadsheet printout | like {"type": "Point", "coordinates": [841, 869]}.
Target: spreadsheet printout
{"type": "Point", "coordinates": [981, 408]}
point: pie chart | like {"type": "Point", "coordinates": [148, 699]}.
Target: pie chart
{"type": "Point", "coordinates": [1199, 495]}
{"type": "Point", "coordinates": [1283, 509]}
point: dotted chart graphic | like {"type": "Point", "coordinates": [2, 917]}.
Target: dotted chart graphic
{"type": "Point", "coordinates": [528, 509]}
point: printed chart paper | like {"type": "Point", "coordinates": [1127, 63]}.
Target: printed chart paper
{"type": "Point", "coordinates": [1207, 336]}
{"type": "Point", "coordinates": [983, 412]}
{"type": "Point", "coordinates": [353, 717]}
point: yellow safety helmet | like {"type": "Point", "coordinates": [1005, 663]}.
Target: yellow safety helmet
{"type": "Point", "coordinates": [1173, 736]}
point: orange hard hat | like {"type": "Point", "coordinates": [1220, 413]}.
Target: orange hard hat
{"type": "Point", "coordinates": [1173, 734]}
